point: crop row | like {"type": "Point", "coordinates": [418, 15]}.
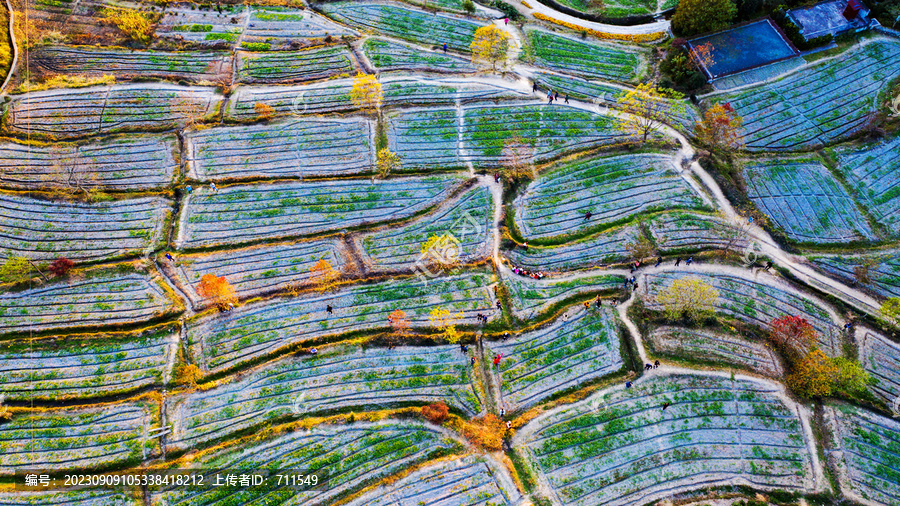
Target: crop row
{"type": "Point", "coordinates": [260, 269]}
{"type": "Point", "coordinates": [881, 358]}
{"type": "Point", "coordinates": [622, 447]}
{"type": "Point", "coordinates": [819, 104]}
{"type": "Point", "coordinates": [388, 55]}
{"type": "Point", "coordinates": [72, 497]}
{"type": "Point", "coordinates": [88, 111]}
{"type": "Point", "coordinates": [124, 163]}
{"type": "Point", "coordinates": [868, 446]}
{"type": "Point", "coordinates": [805, 201]}
{"type": "Point", "coordinates": [592, 60]}
{"type": "Point", "coordinates": [129, 64]}
{"type": "Point", "coordinates": [462, 228]}
{"type": "Point", "coordinates": [226, 340]}
{"type": "Point", "coordinates": [294, 148]}
{"type": "Point", "coordinates": [44, 230]}
{"type": "Point", "coordinates": [104, 300]}
{"type": "Point", "coordinates": [405, 23]}
{"type": "Point", "coordinates": [882, 271]}
{"type": "Point", "coordinates": [202, 27]}
{"type": "Point", "coordinates": [334, 96]}
{"type": "Point", "coordinates": [757, 301]}
{"type": "Point", "coordinates": [347, 457]}
{"type": "Point", "coordinates": [77, 439]}
{"type": "Point", "coordinates": [609, 188]}
{"type": "Point", "coordinates": [530, 297]}
{"type": "Point", "coordinates": [873, 174]}
{"type": "Point", "coordinates": [574, 349]}
{"type": "Point", "coordinates": [247, 213]}
{"type": "Point", "coordinates": [293, 66]}
{"type": "Point", "coordinates": [50, 371]}
{"type": "Point", "coordinates": [465, 482]}
{"type": "Point", "coordinates": [336, 378]}
{"type": "Point", "coordinates": [714, 346]}
{"type": "Point", "coordinates": [281, 28]}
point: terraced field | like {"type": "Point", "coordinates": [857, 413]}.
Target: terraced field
{"type": "Point", "coordinates": [756, 301]}
{"type": "Point", "coordinates": [247, 213]}
{"type": "Point", "coordinates": [712, 346]}
{"type": "Point", "coordinates": [151, 162]}
{"type": "Point", "coordinates": [101, 300]}
{"type": "Point", "coordinates": [611, 188]}
{"type": "Point", "coordinates": [336, 378]}
{"type": "Point", "coordinates": [405, 23]}
{"type": "Point", "coordinates": [350, 456]}
{"type": "Point", "coordinates": [622, 448]}
{"type": "Point", "coordinates": [531, 297]}
{"type": "Point", "coordinates": [465, 223]}
{"type": "Point", "coordinates": [82, 497]}
{"type": "Point", "coordinates": [225, 340]}
{"type": "Point", "coordinates": [65, 113]}
{"type": "Point", "coordinates": [590, 60]}
{"type": "Point", "coordinates": [295, 148]}
{"type": "Point", "coordinates": [126, 64]}
{"type": "Point", "coordinates": [881, 358]}
{"type": "Point", "coordinates": [819, 105]}
{"type": "Point", "coordinates": [87, 369]}
{"type": "Point", "coordinates": [596, 251]}
{"type": "Point", "coordinates": [468, 481]}
{"type": "Point", "coordinates": [871, 173]}
{"type": "Point", "coordinates": [388, 55]}
{"type": "Point", "coordinates": [280, 28]}
{"type": "Point", "coordinates": [293, 66]}
{"type": "Point", "coordinates": [883, 270]}
{"type": "Point", "coordinates": [259, 269]}
{"type": "Point", "coordinates": [680, 231]}
{"type": "Point", "coordinates": [806, 202]}
{"type": "Point", "coordinates": [78, 439]}
{"type": "Point", "coordinates": [44, 229]}
{"type": "Point", "coordinates": [867, 447]}
{"type": "Point", "coordinates": [333, 96]}
{"type": "Point", "coordinates": [571, 351]}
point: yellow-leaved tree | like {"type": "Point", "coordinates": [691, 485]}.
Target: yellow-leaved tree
{"type": "Point", "coordinates": [217, 289]}
{"type": "Point", "coordinates": [490, 44]}
{"type": "Point", "coordinates": [442, 250]}
{"type": "Point", "coordinates": [647, 108]}
{"type": "Point", "coordinates": [366, 91]}
{"type": "Point", "coordinates": [136, 25]}
{"type": "Point", "coordinates": [445, 321]}
{"type": "Point", "coordinates": [386, 162]}
{"type": "Point", "coordinates": [689, 297]}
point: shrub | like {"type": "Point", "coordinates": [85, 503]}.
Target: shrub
{"type": "Point", "coordinates": [468, 6]}
{"type": "Point", "coordinates": [136, 25]}
{"type": "Point", "coordinates": [61, 266]}
{"type": "Point", "coordinates": [15, 269]}
{"type": "Point", "coordinates": [436, 413]}
{"type": "Point", "coordinates": [486, 433]}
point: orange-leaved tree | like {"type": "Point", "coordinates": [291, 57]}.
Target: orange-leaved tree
{"type": "Point", "coordinates": [720, 128]}
{"type": "Point", "coordinates": [486, 432]}
{"type": "Point", "coordinates": [437, 412]}
{"type": "Point", "coordinates": [217, 289]}
{"type": "Point", "coordinates": [814, 375]}
{"type": "Point", "coordinates": [323, 276]}
{"type": "Point", "coordinates": [399, 322]}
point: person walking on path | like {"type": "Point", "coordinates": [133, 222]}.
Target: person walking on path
{"type": "Point", "coordinates": [329, 309]}
{"type": "Point", "coordinates": [506, 21]}
{"type": "Point", "coordinates": [445, 47]}
{"type": "Point", "coordinates": [556, 95]}
{"type": "Point", "coordinates": [567, 98]}
{"type": "Point", "coordinates": [677, 261]}
{"type": "Point", "coordinates": [656, 364]}
{"type": "Point", "coordinates": [658, 261]}
{"type": "Point", "coordinates": [497, 358]}
{"type": "Point", "coordinates": [534, 87]}
{"type": "Point", "coordinates": [212, 186]}
{"type": "Point", "coordinates": [588, 215]}
{"type": "Point", "coordinates": [690, 260]}
{"type": "Point", "coordinates": [666, 405]}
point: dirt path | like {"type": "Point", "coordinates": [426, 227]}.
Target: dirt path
{"type": "Point", "coordinates": [534, 7]}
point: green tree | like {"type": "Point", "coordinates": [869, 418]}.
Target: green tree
{"type": "Point", "coordinates": [701, 16]}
